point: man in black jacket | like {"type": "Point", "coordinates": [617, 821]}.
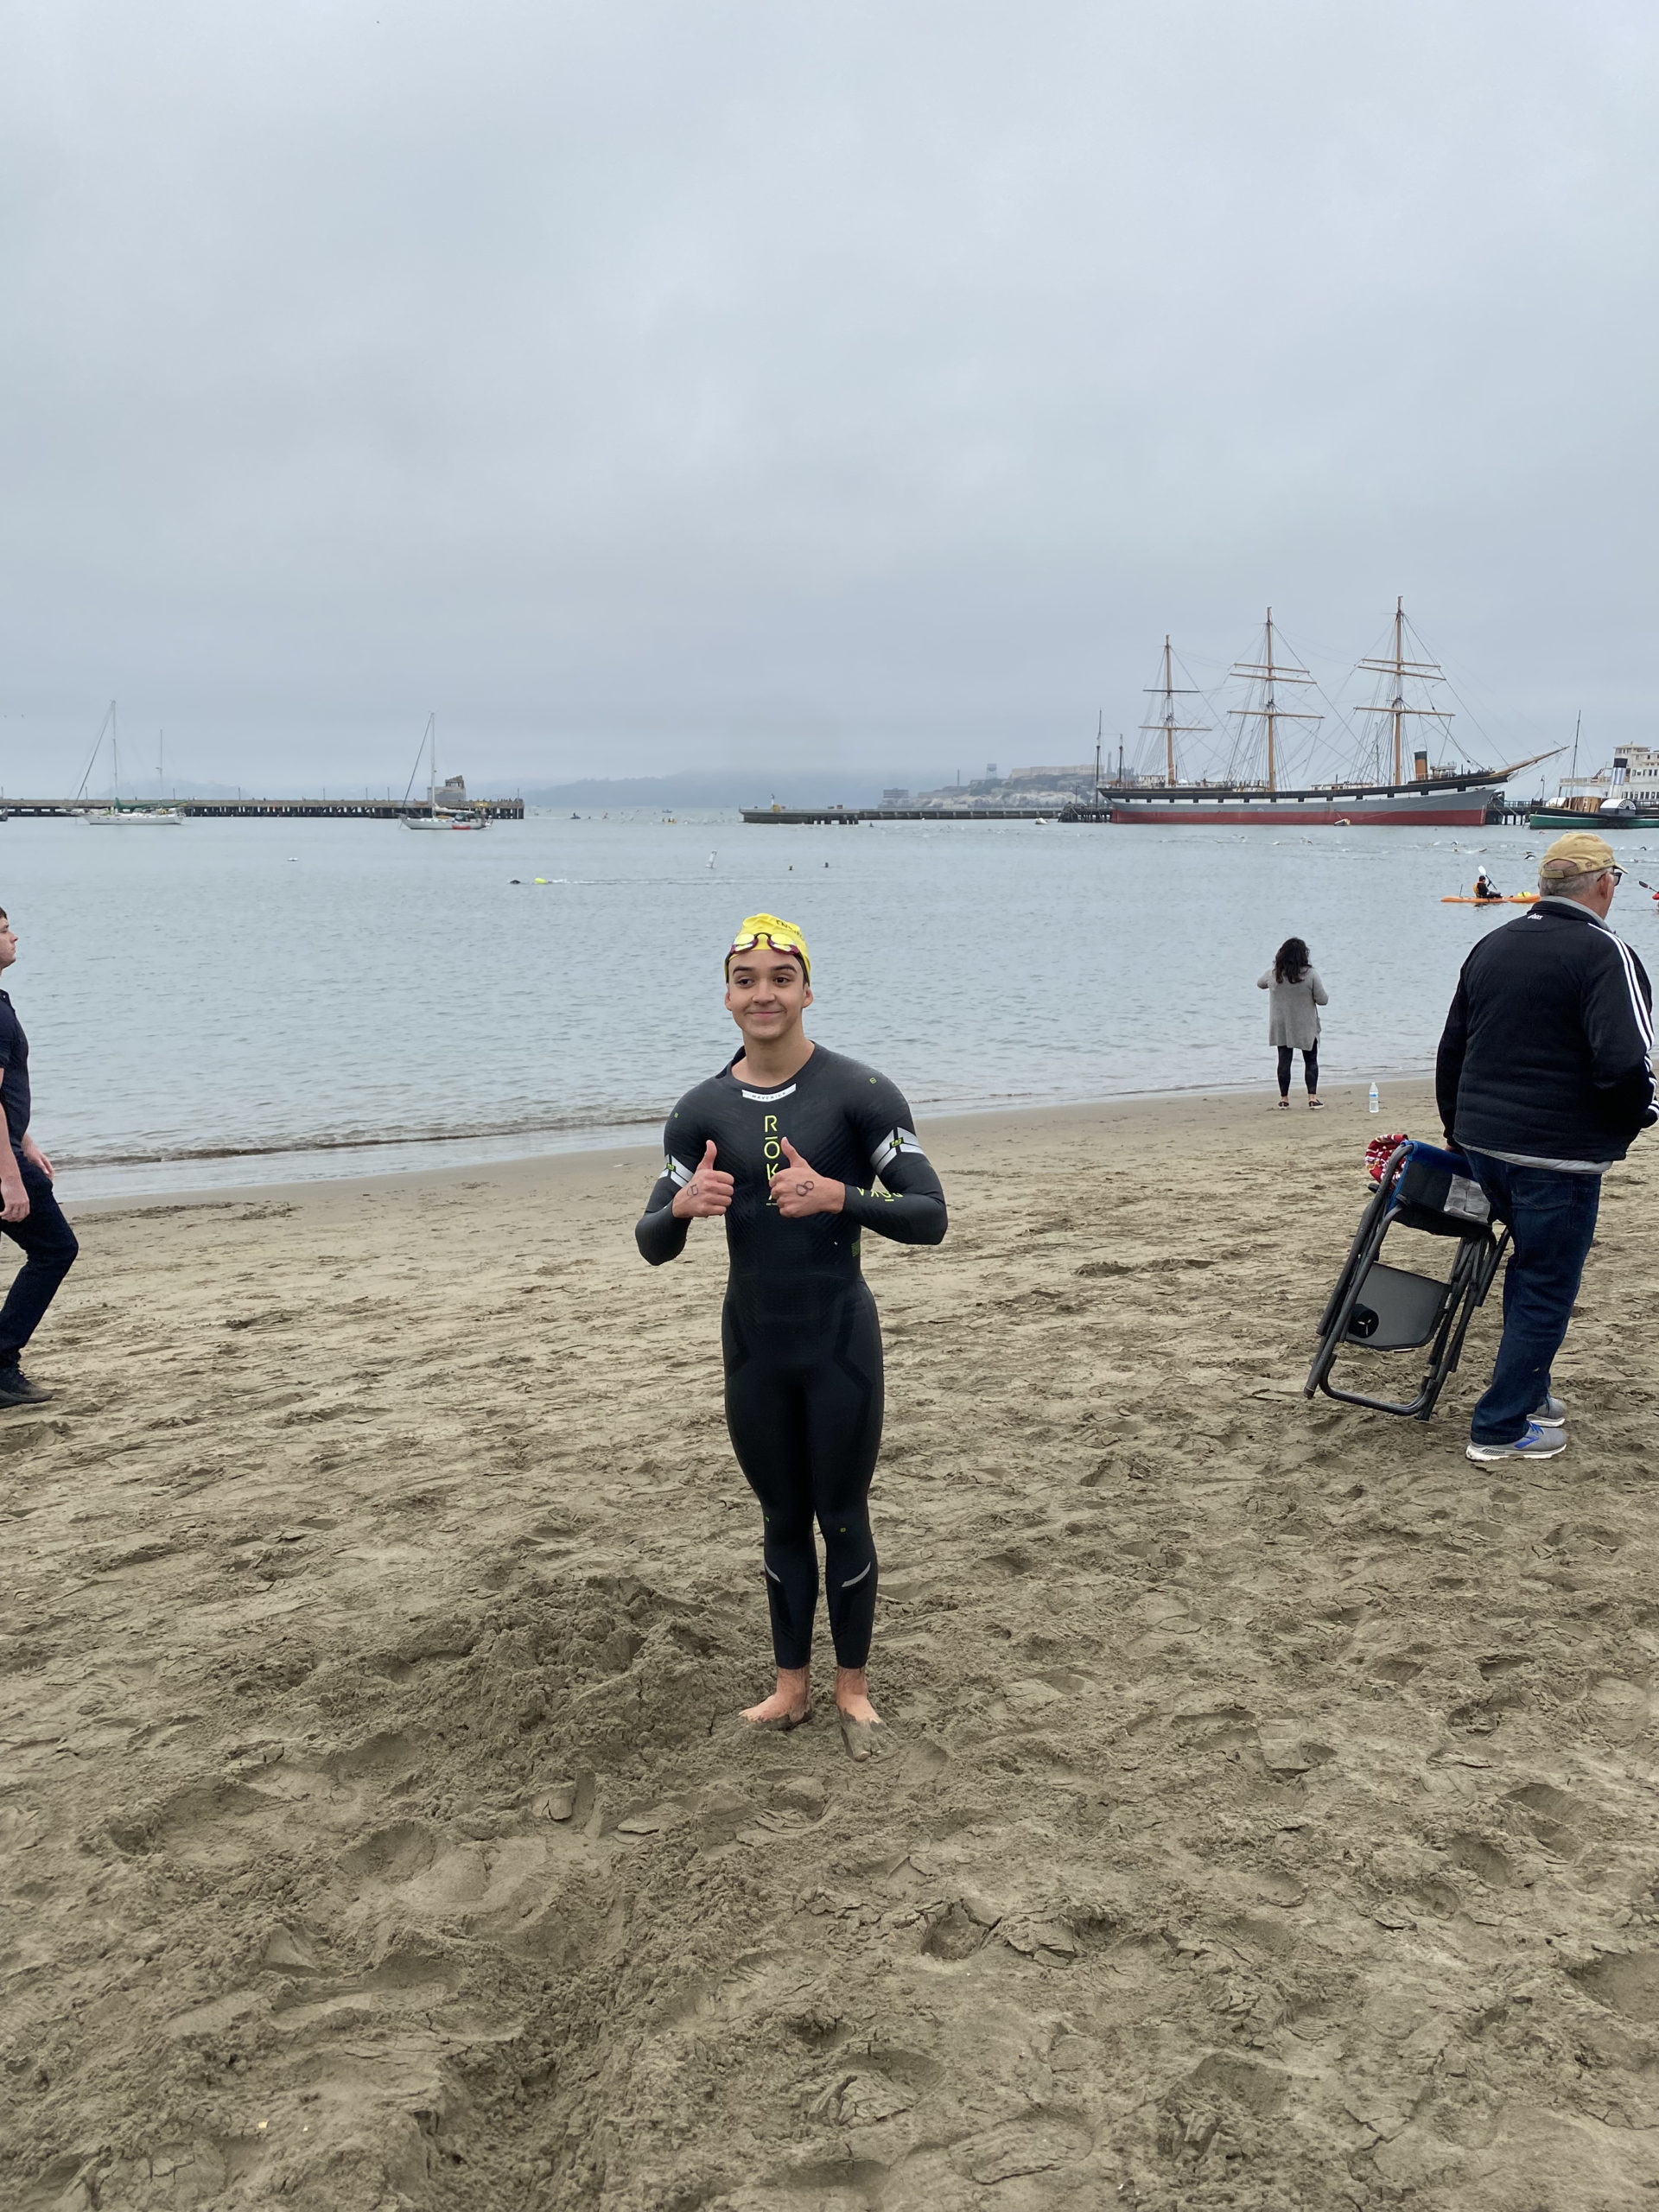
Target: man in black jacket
{"type": "Point", "coordinates": [1545, 1075]}
{"type": "Point", "coordinates": [30, 1213]}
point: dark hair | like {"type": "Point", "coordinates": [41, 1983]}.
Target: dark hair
{"type": "Point", "coordinates": [1291, 963]}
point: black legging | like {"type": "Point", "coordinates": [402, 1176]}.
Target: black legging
{"type": "Point", "coordinates": [803, 1402]}
{"type": "Point", "coordinates": [1310, 1069]}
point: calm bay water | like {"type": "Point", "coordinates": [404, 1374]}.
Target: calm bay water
{"type": "Point", "coordinates": [249, 1001]}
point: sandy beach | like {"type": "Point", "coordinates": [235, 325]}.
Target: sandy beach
{"type": "Point", "coordinates": [1269, 1815]}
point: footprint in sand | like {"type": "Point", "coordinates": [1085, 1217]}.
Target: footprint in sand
{"type": "Point", "coordinates": [954, 1936]}
{"type": "Point", "coordinates": [385, 1758]}
{"type": "Point", "coordinates": [1618, 1708]}
{"type": "Point", "coordinates": [410, 1981]}
{"type": "Point", "coordinates": [392, 1855]}
{"type": "Point", "coordinates": [1626, 1982]}
{"type": "Point", "coordinates": [1554, 1817]}
{"type": "Point", "coordinates": [1019, 2148]}
{"type": "Point", "coordinates": [209, 1826]}
{"type": "Point", "coordinates": [1473, 1854]}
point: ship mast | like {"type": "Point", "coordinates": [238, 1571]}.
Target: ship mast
{"type": "Point", "coordinates": [1270, 674]}
{"type": "Point", "coordinates": [1400, 667]}
{"type": "Point", "coordinates": [1170, 729]}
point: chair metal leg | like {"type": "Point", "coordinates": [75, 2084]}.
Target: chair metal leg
{"type": "Point", "coordinates": [1470, 1279]}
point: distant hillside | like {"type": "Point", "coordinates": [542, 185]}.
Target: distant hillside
{"type": "Point", "coordinates": [716, 787]}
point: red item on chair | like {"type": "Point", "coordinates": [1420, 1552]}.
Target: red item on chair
{"type": "Point", "coordinates": [1379, 1152]}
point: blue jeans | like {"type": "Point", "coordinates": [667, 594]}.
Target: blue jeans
{"type": "Point", "coordinates": [49, 1250]}
{"type": "Point", "coordinates": [1552, 1218]}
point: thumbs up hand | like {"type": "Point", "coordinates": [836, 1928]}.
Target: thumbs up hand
{"type": "Point", "coordinates": [798, 1190]}
{"type": "Point", "coordinates": [710, 1191]}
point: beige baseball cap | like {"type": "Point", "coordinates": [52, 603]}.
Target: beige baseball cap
{"type": "Point", "coordinates": [1580, 853]}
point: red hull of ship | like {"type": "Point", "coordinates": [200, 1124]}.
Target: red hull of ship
{"type": "Point", "coordinates": [1453, 814]}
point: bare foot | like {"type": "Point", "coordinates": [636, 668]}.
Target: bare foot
{"type": "Point", "coordinates": [853, 1695]}
{"type": "Point", "coordinates": [790, 1703]}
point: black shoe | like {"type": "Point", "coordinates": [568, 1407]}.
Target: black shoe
{"type": "Point", "coordinates": [16, 1390]}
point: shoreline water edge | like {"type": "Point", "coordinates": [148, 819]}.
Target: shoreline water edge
{"type": "Point", "coordinates": [157, 1181]}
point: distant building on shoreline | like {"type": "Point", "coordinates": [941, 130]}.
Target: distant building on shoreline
{"type": "Point", "coordinates": [1021, 787]}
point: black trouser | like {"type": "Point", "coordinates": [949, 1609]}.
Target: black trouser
{"type": "Point", "coordinates": [49, 1250]}
{"type": "Point", "coordinates": [803, 1403]}
{"type": "Point", "coordinates": [1310, 1069]}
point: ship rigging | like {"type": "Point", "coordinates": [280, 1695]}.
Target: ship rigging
{"type": "Point", "coordinates": [1258, 783]}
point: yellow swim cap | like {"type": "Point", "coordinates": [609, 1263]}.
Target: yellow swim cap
{"type": "Point", "coordinates": [781, 936]}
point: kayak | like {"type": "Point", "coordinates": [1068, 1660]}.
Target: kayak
{"type": "Point", "coordinates": [1510, 899]}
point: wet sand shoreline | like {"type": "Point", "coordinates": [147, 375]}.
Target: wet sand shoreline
{"type": "Point", "coordinates": [644, 1138]}
{"type": "Point", "coordinates": [1268, 1814]}
{"type": "Point", "coordinates": [526, 1166]}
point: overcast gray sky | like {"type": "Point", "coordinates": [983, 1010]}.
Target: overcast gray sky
{"type": "Point", "coordinates": [740, 381]}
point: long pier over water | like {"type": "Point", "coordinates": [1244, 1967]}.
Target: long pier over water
{"type": "Point", "coordinates": [342, 810]}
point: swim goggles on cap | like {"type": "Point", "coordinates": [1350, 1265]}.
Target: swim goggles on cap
{"type": "Point", "coordinates": [781, 936]}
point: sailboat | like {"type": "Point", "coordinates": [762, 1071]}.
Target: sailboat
{"type": "Point", "coordinates": [1385, 789]}
{"type": "Point", "coordinates": [135, 810]}
{"type": "Point", "coordinates": [447, 806]}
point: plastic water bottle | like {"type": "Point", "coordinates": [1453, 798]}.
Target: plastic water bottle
{"type": "Point", "coordinates": [1377, 1103]}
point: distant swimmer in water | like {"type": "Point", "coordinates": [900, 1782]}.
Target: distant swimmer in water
{"type": "Point", "coordinates": [787, 1144]}
{"type": "Point", "coordinates": [1485, 888]}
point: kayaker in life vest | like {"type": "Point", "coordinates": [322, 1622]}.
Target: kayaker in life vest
{"type": "Point", "coordinates": [1485, 888]}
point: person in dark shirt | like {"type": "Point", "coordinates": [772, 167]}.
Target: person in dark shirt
{"type": "Point", "coordinates": [30, 1213]}
{"type": "Point", "coordinates": [786, 1144]}
{"type": "Point", "coordinates": [1544, 1079]}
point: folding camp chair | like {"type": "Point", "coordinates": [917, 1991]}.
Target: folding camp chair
{"type": "Point", "coordinates": [1382, 1309]}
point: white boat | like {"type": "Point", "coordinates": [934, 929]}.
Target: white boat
{"type": "Point", "coordinates": [447, 806]}
{"type": "Point", "coordinates": [133, 810]}
{"type": "Point", "coordinates": [1625, 796]}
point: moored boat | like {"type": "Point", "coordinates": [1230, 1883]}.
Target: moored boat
{"type": "Point", "coordinates": [446, 805]}
{"type": "Point", "coordinates": [1396, 785]}
{"type": "Point", "coordinates": [123, 813]}
{"type": "Point", "coordinates": [1452, 803]}
{"type": "Point", "coordinates": [1624, 795]}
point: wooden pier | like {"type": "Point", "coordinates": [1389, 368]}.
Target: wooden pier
{"type": "Point", "coordinates": [329, 810]}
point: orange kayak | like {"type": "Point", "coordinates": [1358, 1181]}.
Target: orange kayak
{"type": "Point", "coordinates": [1510, 899]}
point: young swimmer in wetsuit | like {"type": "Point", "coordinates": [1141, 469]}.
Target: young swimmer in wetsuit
{"type": "Point", "coordinates": [786, 1143]}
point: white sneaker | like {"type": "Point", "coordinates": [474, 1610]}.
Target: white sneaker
{"type": "Point", "coordinates": [1537, 1444]}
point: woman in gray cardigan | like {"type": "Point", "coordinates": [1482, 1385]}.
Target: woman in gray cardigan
{"type": "Point", "coordinates": [1293, 1016]}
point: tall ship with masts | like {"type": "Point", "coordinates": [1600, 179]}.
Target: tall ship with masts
{"type": "Point", "coordinates": [1263, 772]}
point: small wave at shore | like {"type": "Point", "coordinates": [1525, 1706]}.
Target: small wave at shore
{"type": "Point", "coordinates": [536, 1133]}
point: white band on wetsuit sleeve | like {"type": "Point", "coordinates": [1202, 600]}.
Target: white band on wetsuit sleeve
{"type": "Point", "coordinates": [672, 1168]}
{"type": "Point", "coordinates": [894, 1142]}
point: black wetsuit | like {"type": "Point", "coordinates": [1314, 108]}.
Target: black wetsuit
{"type": "Point", "coordinates": [802, 1344]}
